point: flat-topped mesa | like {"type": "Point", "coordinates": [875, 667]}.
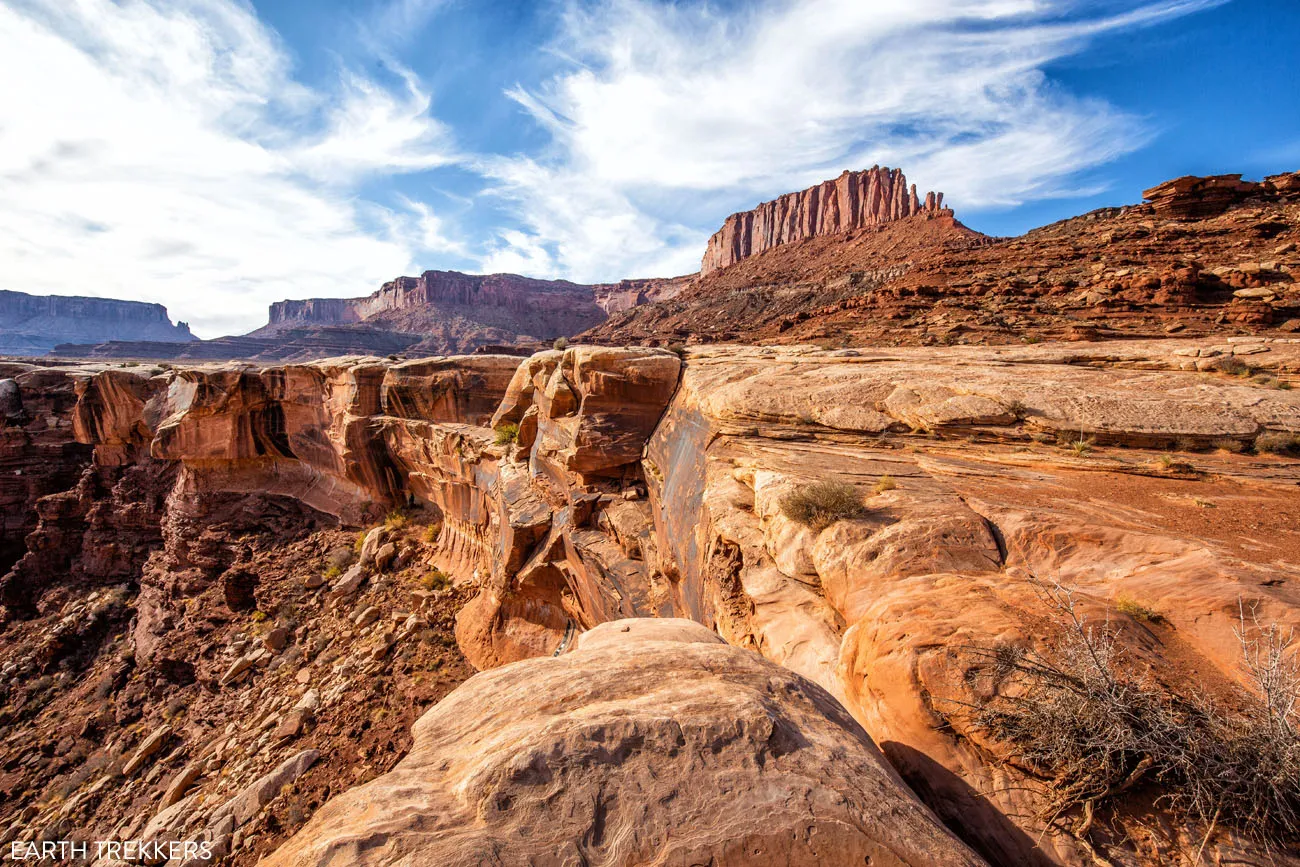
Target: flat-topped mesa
{"type": "Point", "coordinates": [851, 201]}
{"type": "Point", "coordinates": [509, 291]}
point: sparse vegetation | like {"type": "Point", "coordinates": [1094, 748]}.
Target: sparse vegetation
{"type": "Point", "coordinates": [885, 483]}
{"type": "Point", "coordinates": [435, 579]}
{"type": "Point", "coordinates": [678, 349]}
{"type": "Point", "coordinates": [431, 533]}
{"type": "Point", "coordinates": [507, 434]}
{"type": "Point", "coordinates": [359, 542]}
{"type": "Point", "coordinates": [1136, 610]}
{"type": "Point", "coordinates": [820, 504]}
{"type": "Point", "coordinates": [1227, 445]}
{"type": "Point", "coordinates": [1090, 726]}
{"type": "Point", "coordinates": [396, 520]}
{"type": "Point", "coordinates": [1277, 443]}
{"type": "Point", "coordinates": [561, 343]}
{"type": "Point", "coordinates": [333, 571]}
{"type": "Point", "coordinates": [1267, 380]}
{"type": "Point", "coordinates": [1081, 447]}
{"type": "Point", "coordinates": [1233, 366]}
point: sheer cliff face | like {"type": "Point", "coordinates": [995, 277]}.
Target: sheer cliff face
{"type": "Point", "coordinates": [35, 324]}
{"type": "Point", "coordinates": [851, 201]}
{"type": "Point", "coordinates": [404, 301]}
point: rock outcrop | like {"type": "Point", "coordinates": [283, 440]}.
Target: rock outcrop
{"type": "Point", "coordinates": [583, 486]}
{"type": "Point", "coordinates": [1174, 265]}
{"type": "Point", "coordinates": [854, 200]}
{"type": "Point", "coordinates": [35, 324]}
{"type": "Point", "coordinates": [1195, 198]}
{"type": "Point", "coordinates": [651, 742]}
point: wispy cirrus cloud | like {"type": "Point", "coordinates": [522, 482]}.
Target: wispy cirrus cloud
{"type": "Point", "coordinates": [163, 151]}
{"type": "Point", "coordinates": [659, 106]}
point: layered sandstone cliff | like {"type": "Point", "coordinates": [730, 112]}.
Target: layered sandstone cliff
{"type": "Point", "coordinates": [405, 302]}
{"type": "Point", "coordinates": [583, 486]}
{"type": "Point", "coordinates": [854, 200]}
{"type": "Point", "coordinates": [35, 324]}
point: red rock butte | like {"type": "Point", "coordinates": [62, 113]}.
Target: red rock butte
{"type": "Point", "coordinates": [852, 201]}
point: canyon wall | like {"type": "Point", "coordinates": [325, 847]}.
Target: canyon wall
{"type": "Point", "coordinates": [852, 201]}
{"type": "Point", "coordinates": [402, 300]}
{"type": "Point", "coordinates": [35, 324]}
{"type": "Point", "coordinates": [583, 486]}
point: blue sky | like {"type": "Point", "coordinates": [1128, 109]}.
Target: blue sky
{"type": "Point", "coordinates": [218, 155]}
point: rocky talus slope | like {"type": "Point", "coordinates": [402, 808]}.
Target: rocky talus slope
{"type": "Point", "coordinates": [189, 630]}
{"type": "Point", "coordinates": [1203, 256]}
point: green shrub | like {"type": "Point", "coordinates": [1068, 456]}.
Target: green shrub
{"type": "Point", "coordinates": [1136, 610]}
{"type": "Point", "coordinates": [820, 504]}
{"type": "Point", "coordinates": [435, 579]}
{"type": "Point", "coordinates": [507, 434]}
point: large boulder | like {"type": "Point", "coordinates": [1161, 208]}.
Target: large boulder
{"type": "Point", "coordinates": [651, 742]}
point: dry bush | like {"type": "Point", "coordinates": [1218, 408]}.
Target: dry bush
{"type": "Point", "coordinates": [1084, 721]}
{"type": "Point", "coordinates": [820, 504]}
{"type": "Point", "coordinates": [1277, 443]}
{"type": "Point", "coordinates": [1228, 445]}
{"type": "Point", "coordinates": [885, 483]}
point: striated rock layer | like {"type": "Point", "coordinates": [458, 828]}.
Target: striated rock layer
{"type": "Point", "coordinates": [35, 324]}
{"type": "Point", "coordinates": [652, 742]}
{"type": "Point", "coordinates": [854, 200]}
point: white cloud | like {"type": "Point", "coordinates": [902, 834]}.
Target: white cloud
{"type": "Point", "coordinates": [163, 152]}
{"type": "Point", "coordinates": [776, 96]}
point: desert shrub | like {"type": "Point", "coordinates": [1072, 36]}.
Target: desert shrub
{"type": "Point", "coordinates": [396, 520]}
{"type": "Point", "coordinates": [820, 504]}
{"type": "Point", "coordinates": [1277, 443]}
{"type": "Point", "coordinates": [1234, 366]}
{"type": "Point", "coordinates": [435, 579]}
{"type": "Point", "coordinates": [678, 349]}
{"type": "Point", "coordinates": [1227, 445]}
{"type": "Point", "coordinates": [560, 343]}
{"type": "Point", "coordinates": [333, 571]}
{"type": "Point", "coordinates": [431, 533]}
{"type": "Point", "coordinates": [1269, 381]}
{"type": "Point", "coordinates": [885, 483]}
{"type": "Point", "coordinates": [359, 542]}
{"type": "Point", "coordinates": [1090, 725]}
{"type": "Point", "coordinates": [1136, 610]}
{"type": "Point", "coordinates": [507, 434]}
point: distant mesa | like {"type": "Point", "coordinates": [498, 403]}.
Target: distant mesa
{"type": "Point", "coordinates": [854, 200]}
{"type": "Point", "coordinates": [35, 324]}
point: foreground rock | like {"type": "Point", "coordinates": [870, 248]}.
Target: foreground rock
{"type": "Point", "coordinates": [587, 485]}
{"type": "Point", "coordinates": [652, 742]}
